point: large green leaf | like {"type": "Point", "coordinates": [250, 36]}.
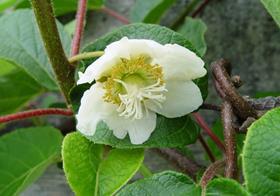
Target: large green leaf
{"type": "Point", "coordinates": [273, 7]}
{"type": "Point", "coordinates": [225, 187]}
{"type": "Point", "coordinates": [91, 170]}
{"type": "Point", "coordinates": [6, 67]}
{"type": "Point", "coordinates": [4, 4]}
{"type": "Point", "coordinates": [65, 6]}
{"type": "Point", "coordinates": [149, 11]}
{"type": "Point", "coordinates": [21, 44]}
{"type": "Point", "coordinates": [164, 184]}
{"type": "Point", "coordinates": [26, 88]}
{"type": "Point", "coordinates": [24, 155]}
{"type": "Point", "coordinates": [261, 159]}
{"type": "Point", "coordinates": [176, 132]}
{"type": "Point", "coordinates": [194, 31]}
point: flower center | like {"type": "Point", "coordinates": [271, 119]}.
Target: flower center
{"type": "Point", "coordinates": [131, 83]}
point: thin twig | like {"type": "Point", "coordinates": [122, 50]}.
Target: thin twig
{"type": "Point", "coordinates": [208, 106]}
{"type": "Point", "coordinates": [229, 136]}
{"type": "Point", "coordinates": [201, 122]}
{"type": "Point", "coordinates": [189, 6]}
{"type": "Point", "coordinates": [116, 15]}
{"type": "Point", "coordinates": [210, 172]}
{"type": "Point", "coordinates": [221, 75]}
{"type": "Point", "coordinates": [206, 148]}
{"type": "Point", "coordinates": [79, 29]}
{"type": "Point", "coordinates": [188, 166]}
{"type": "Point", "coordinates": [35, 112]}
{"type": "Point", "coordinates": [200, 8]}
{"type": "Point", "coordinates": [245, 125]}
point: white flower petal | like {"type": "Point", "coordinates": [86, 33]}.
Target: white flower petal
{"type": "Point", "coordinates": [139, 130]}
{"type": "Point", "coordinates": [182, 98]}
{"type": "Point", "coordinates": [92, 110]}
{"type": "Point", "coordinates": [124, 48]}
{"type": "Point", "coordinates": [180, 63]}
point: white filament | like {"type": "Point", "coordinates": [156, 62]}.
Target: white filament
{"type": "Point", "coordinates": [132, 103]}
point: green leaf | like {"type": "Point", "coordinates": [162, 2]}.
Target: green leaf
{"type": "Point", "coordinates": [164, 184]}
{"type": "Point", "coordinates": [176, 132]}
{"type": "Point", "coordinates": [149, 11]}
{"type": "Point", "coordinates": [225, 187]}
{"type": "Point", "coordinates": [194, 31]}
{"type": "Point", "coordinates": [24, 155]}
{"type": "Point", "coordinates": [273, 7]}
{"type": "Point", "coordinates": [21, 44]}
{"type": "Point", "coordinates": [267, 94]}
{"type": "Point", "coordinates": [70, 27]}
{"type": "Point", "coordinates": [26, 88]}
{"type": "Point", "coordinates": [261, 159]}
{"type": "Point", "coordinates": [62, 7]}
{"type": "Point", "coordinates": [4, 4]}
{"type": "Point", "coordinates": [90, 170]}
{"type": "Point", "coordinates": [6, 67]}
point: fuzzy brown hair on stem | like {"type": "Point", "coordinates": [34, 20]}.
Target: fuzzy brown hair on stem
{"type": "Point", "coordinates": [227, 89]}
{"type": "Point", "coordinates": [230, 144]}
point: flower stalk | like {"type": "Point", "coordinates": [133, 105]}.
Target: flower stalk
{"type": "Point", "coordinates": [85, 55]}
{"type": "Point", "coordinates": [201, 122]}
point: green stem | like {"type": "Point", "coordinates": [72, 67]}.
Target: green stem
{"type": "Point", "coordinates": [145, 171]}
{"type": "Point", "coordinates": [64, 71]}
{"type": "Point", "coordinates": [86, 55]}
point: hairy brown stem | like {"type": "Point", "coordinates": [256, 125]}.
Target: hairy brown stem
{"type": "Point", "coordinates": [46, 22]}
{"type": "Point", "coordinates": [116, 15]}
{"type": "Point", "coordinates": [35, 113]}
{"type": "Point", "coordinates": [219, 89]}
{"type": "Point", "coordinates": [210, 173]}
{"type": "Point", "coordinates": [80, 21]}
{"type": "Point", "coordinates": [206, 148]}
{"type": "Point", "coordinates": [208, 106]}
{"type": "Point", "coordinates": [201, 122]}
{"type": "Point", "coordinates": [229, 137]}
{"type": "Point", "coordinates": [243, 109]}
{"type": "Point", "coordinates": [188, 166]}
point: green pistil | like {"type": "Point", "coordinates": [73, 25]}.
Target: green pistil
{"type": "Point", "coordinates": [136, 71]}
